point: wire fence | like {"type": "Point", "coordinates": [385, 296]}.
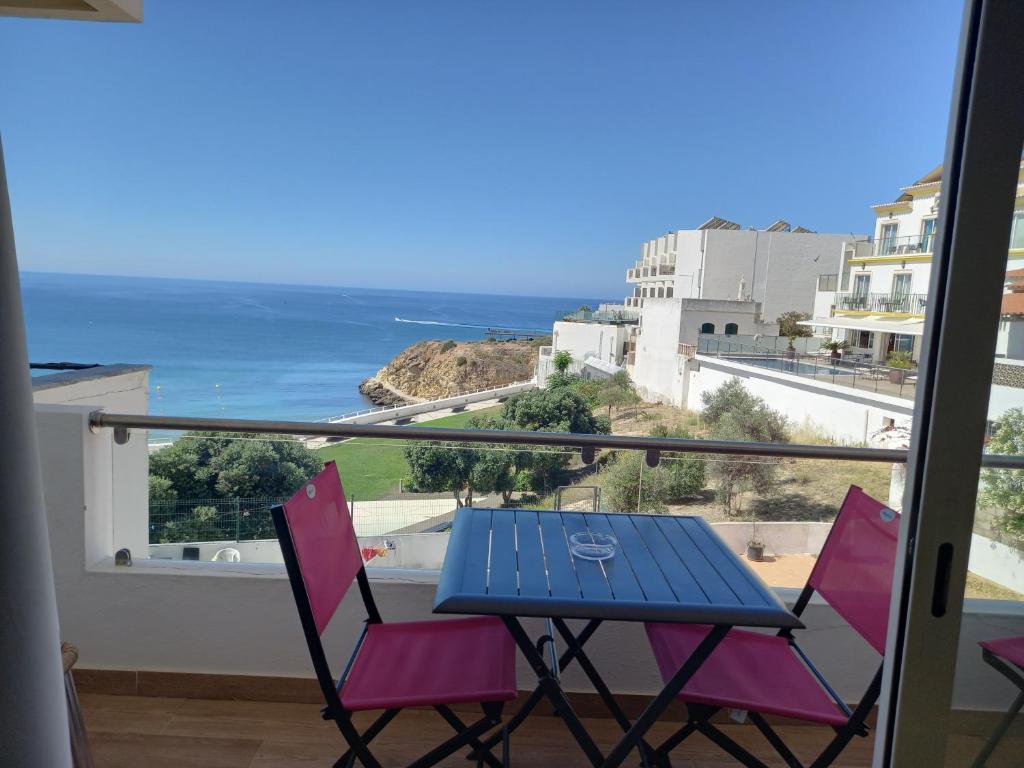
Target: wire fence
{"type": "Point", "coordinates": [249, 519]}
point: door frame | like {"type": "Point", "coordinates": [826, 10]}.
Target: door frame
{"type": "Point", "coordinates": [982, 158]}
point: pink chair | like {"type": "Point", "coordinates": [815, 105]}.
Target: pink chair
{"type": "Point", "coordinates": [1006, 656]}
{"type": "Point", "coordinates": [393, 666]}
{"type": "Point", "coordinates": [769, 674]}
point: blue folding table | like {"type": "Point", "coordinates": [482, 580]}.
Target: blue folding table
{"type": "Point", "coordinates": [515, 563]}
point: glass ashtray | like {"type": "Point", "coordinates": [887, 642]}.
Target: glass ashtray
{"type": "Point", "coordinates": [593, 546]}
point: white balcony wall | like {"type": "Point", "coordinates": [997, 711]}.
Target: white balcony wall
{"type": "Point", "coordinates": [116, 389]}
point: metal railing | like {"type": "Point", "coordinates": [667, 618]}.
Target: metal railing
{"type": "Point", "coordinates": [904, 245]}
{"type": "Point", "coordinates": [603, 316]}
{"type": "Point", "coordinates": [906, 303]}
{"type": "Point", "coordinates": [650, 270]}
{"type": "Point", "coordinates": [121, 423]}
{"type": "Point", "coordinates": [846, 371]}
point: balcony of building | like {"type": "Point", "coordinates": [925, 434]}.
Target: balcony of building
{"type": "Point", "coordinates": [643, 271]}
{"type": "Point", "coordinates": [892, 304]}
{"type": "Point", "coordinates": [905, 245]}
{"type": "Point", "coordinates": [210, 668]}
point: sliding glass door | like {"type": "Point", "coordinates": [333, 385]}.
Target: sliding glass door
{"type": "Point", "coordinates": [940, 699]}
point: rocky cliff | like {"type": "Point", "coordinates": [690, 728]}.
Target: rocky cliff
{"type": "Point", "coordinates": [430, 370]}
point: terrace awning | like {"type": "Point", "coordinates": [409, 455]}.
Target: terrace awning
{"type": "Point", "coordinates": [876, 323]}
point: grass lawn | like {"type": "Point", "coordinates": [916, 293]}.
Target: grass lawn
{"type": "Point", "coordinates": [371, 467]}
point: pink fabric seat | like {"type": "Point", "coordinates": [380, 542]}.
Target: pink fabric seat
{"type": "Point", "coordinates": [426, 663]}
{"type": "Point", "coordinates": [1009, 648]}
{"type": "Point", "coordinates": [748, 670]}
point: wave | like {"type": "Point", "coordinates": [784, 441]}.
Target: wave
{"type": "Point", "coordinates": [438, 322]}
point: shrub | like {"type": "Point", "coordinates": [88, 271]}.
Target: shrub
{"type": "Point", "coordinates": [448, 345]}
{"type": "Point", "coordinates": [460, 360]}
{"type": "Point", "coordinates": [1003, 489]}
{"type": "Point", "coordinates": [732, 413]}
{"type": "Point", "coordinates": [629, 486]}
{"type": "Point", "coordinates": [899, 360]}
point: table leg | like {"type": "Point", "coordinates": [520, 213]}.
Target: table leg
{"type": "Point", "coordinates": [550, 688]}
{"type": "Point", "coordinates": [538, 693]}
{"type": "Point", "coordinates": [573, 645]}
{"type": "Point", "coordinates": [661, 702]}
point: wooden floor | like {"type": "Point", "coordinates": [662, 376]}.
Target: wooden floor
{"type": "Point", "coordinates": [159, 732]}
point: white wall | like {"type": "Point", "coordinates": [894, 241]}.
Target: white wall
{"type": "Point", "coordinates": [848, 415]}
{"type": "Point", "coordinates": [601, 340]}
{"type": "Point", "coordinates": [780, 269]}
{"type": "Point", "coordinates": [1010, 340]}
{"type": "Point", "coordinates": [657, 363]}
{"type": "Point", "coordinates": [115, 389]}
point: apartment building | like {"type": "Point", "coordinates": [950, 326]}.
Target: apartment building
{"type": "Point", "coordinates": [877, 296]}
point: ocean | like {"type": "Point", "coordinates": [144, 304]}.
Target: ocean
{"type": "Point", "coordinates": [248, 350]}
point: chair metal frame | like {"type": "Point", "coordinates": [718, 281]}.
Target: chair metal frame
{"type": "Point", "coordinates": [699, 715]}
{"type": "Point", "coordinates": [358, 743]}
{"type": "Point", "coordinates": [1012, 673]}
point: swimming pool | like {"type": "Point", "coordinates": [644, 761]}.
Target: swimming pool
{"type": "Point", "coordinates": [792, 366]}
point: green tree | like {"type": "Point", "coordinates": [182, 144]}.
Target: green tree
{"type": "Point", "coordinates": [687, 472]}
{"type": "Point", "coordinates": [788, 324]}
{"type": "Point", "coordinates": [437, 467]}
{"type": "Point", "coordinates": [618, 392]}
{"type": "Point", "coordinates": [561, 360]}
{"type": "Point", "coordinates": [202, 523]}
{"type": "Point", "coordinates": [161, 491]}
{"type": "Point", "coordinates": [207, 465]}
{"type": "Point", "coordinates": [631, 486]}
{"type": "Point", "coordinates": [1003, 489]}
{"type": "Point", "coordinates": [732, 413]}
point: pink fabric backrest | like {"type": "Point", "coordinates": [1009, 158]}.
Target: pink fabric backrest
{"type": "Point", "coordinates": [855, 568]}
{"type": "Point", "coordinates": [325, 542]}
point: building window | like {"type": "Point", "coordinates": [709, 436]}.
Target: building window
{"type": "Point", "coordinates": [668, 292]}
{"type": "Point", "coordinates": [707, 328]}
{"type": "Point", "coordinates": [861, 284]}
{"type": "Point", "coordinates": [901, 342]}
{"type": "Point", "coordinates": [862, 339]}
{"type": "Point", "coordinates": [731, 329]}
{"type": "Point", "coordinates": [1017, 230]}
{"type": "Point", "coordinates": [927, 235]}
{"type": "Point", "coordinates": [887, 240]}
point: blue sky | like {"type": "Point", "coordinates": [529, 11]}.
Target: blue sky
{"type": "Point", "coordinates": [520, 147]}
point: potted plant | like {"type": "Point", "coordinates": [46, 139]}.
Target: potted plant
{"type": "Point", "coordinates": [835, 347]}
{"type": "Point", "coordinates": [899, 363]}
{"type": "Point", "coordinates": [755, 547]}
{"type": "Point", "coordinates": [791, 350]}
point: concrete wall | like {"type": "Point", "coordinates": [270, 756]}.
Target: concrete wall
{"type": "Point", "coordinates": [1010, 341]}
{"type": "Point", "coordinates": [997, 561]}
{"type": "Point", "coordinates": [240, 619]}
{"type": "Point", "coordinates": [848, 415]}
{"type": "Point", "coordinates": [601, 340]}
{"type": "Point", "coordinates": [116, 389]}
{"type": "Point", "coordinates": [657, 363]}
{"type": "Point", "coordinates": [780, 269]}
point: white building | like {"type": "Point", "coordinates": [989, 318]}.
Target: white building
{"type": "Point", "coordinates": [878, 294]}
{"type": "Point", "coordinates": [717, 279]}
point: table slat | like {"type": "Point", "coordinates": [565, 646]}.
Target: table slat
{"type": "Point", "coordinates": [533, 580]}
{"type": "Point", "coordinates": [704, 572]}
{"type": "Point", "coordinates": [503, 577]}
{"type": "Point", "coordinates": [675, 571]}
{"type": "Point", "coordinates": [474, 572]}
{"type": "Point", "coordinates": [728, 565]}
{"type": "Point", "coordinates": [561, 574]}
{"type": "Point", "coordinates": [634, 552]}
{"type": "Point", "coordinates": [592, 581]}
